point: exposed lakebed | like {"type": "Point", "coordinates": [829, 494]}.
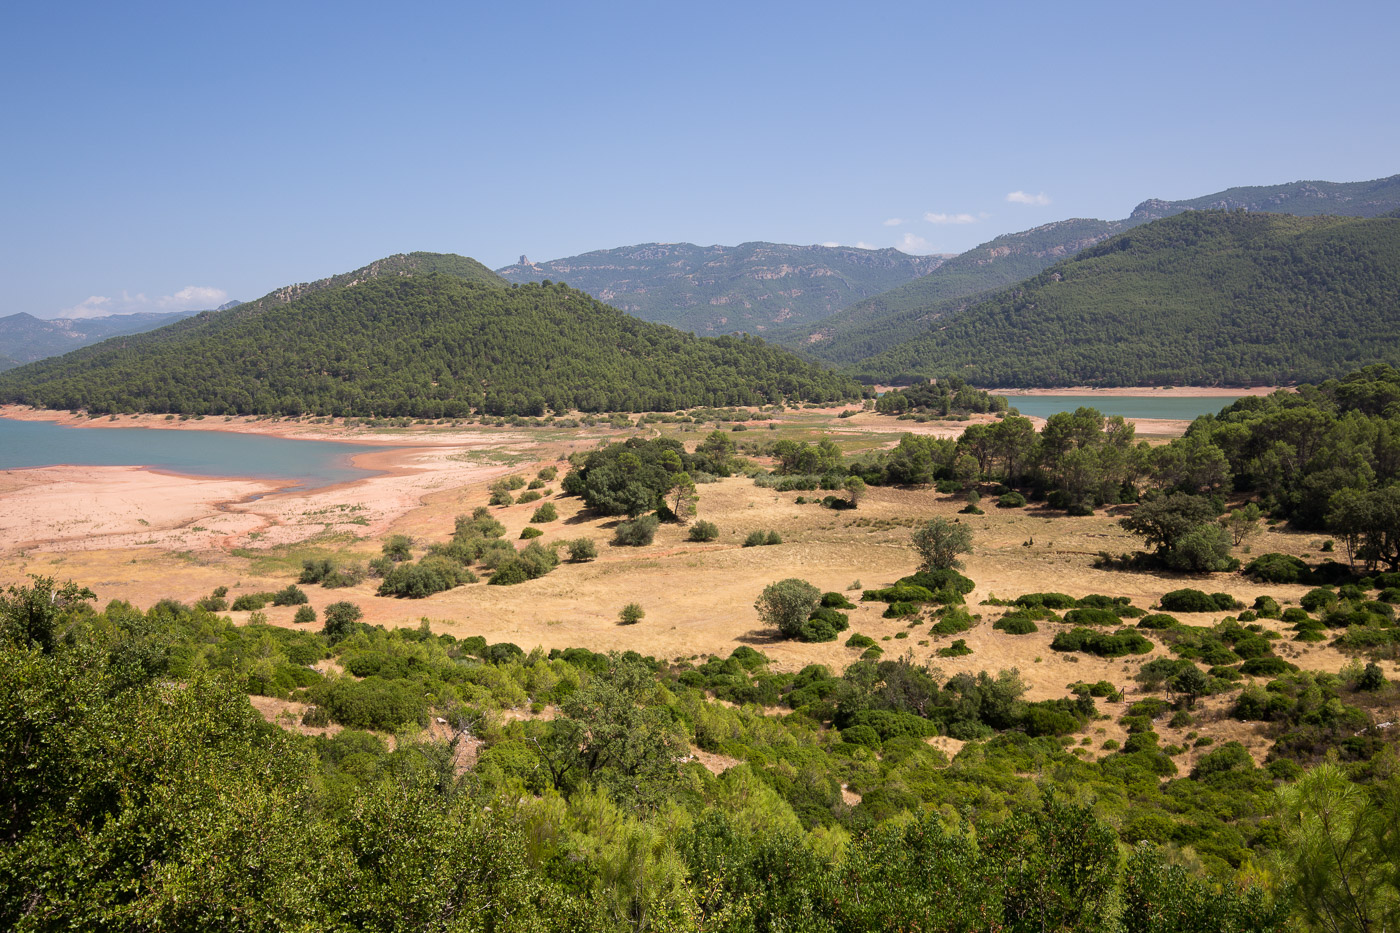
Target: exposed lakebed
{"type": "Point", "coordinates": [303, 464]}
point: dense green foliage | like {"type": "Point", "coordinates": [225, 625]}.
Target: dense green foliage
{"type": "Point", "coordinates": [631, 477]}
{"type": "Point", "coordinates": [1204, 298]}
{"type": "Point", "coordinates": [726, 289]}
{"type": "Point", "coordinates": [876, 324]}
{"type": "Point", "coordinates": [427, 345]}
{"type": "Point", "coordinates": [139, 783]}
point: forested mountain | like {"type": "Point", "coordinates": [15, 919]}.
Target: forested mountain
{"type": "Point", "coordinates": [1302, 198]}
{"type": "Point", "coordinates": [752, 287]}
{"type": "Point", "coordinates": [1207, 298]}
{"type": "Point", "coordinates": [877, 323]}
{"type": "Point", "coordinates": [428, 344]}
{"type": "Point", "coordinates": [25, 338]}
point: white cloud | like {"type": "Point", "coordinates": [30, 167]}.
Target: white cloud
{"type": "Point", "coordinates": [861, 244]}
{"type": "Point", "coordinates": [914, 245]}
{"type": "Point", "coordinates": [189, 298]}
{"type": "Point", "coordinates": [949, 218]}
{"type": "Point", "coordinates": [831, 243]}
{"type": "Point", "coordinates": [194, 298]}
{"type": "Point", "coordinates": [1020, 197]}
{"type": "Point", "coordinates": [894, 221]}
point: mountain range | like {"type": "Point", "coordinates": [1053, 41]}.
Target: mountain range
{"type": "Point", "coordinates": [714, 290]}
{"type": "Point", "coordinates": [25, 338]}
{"type": "Point", "coordinates": [1199, 297]}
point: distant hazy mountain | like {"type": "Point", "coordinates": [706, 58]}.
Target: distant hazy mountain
{"type": "Point", "coordinates": [423, 336]}
{"type": "Point", "coordinates": [752, 287]}
{"type": "Point", "coordinates": [1198, 298]}
{"type": "Point", "coordinates": [1303, 198]}
{"type": "Point", "coordinates": [25, 338]}
{"type": "Point", "coordinates": [872, 326]}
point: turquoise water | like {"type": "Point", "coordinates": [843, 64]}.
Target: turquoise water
{"type": "Point", "coordinates": [303, 464]}
{"type": "Point", "coordinates": [1176, 408]}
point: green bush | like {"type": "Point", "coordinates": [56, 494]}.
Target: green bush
{"type": "Point", "coordinates": [1011, 500]}
{"type": "Point", "coordinates": [900, 610]}
{"type": "Point", "coordinates": [531, 496]}
{"type": "Point", "coordinates": [638, 532]}
{"type": "Point", "coordinates": [1016, 623]}
{"type": "Point", "coordinates": [545, 513]}
{"type": "Point", "coordinates": [1267, 607]}
{"type": "Point", "coordinates": [1319, 598]}
{"type": "Point", "coordinates": [290, 595]}
{"type": "Point", "coordinates": [957, 649]}
{"type": "Point", "coordinates": [773, 538]}
{"type": "Point", "coordinates": [1046, 601]}
{"type": "Point", "coordinates": [432, 574]}
{"type": "Point", "coordinates": [398, 548]}
{"type": "Point", "coordinates": [1266, 667]}
{"type": "Point", "coordinates": [527, 533]}
{"type": "Point", "coordinates": [1188, 600]}
{"type": "Point", "coordinates": [824, 624]}
{"type": "Point", "coordinates": [952, 623]}
{"type": "Point", "coordinates": [251, 601]}
{"type": "Point", "coordinates": [1115, 645]}
{"type": "Point", "coordinates": [860, 641]}
{"type": "Point", "coordinates": [581, 549]}
{"type": "Point", "coordinates": [835, 600]}
{"type": "Point", "coordinates": [755, 539]}
{"type": "Point", "coordinates": [1091, 617]}
{"type": "Point", "coordinates": [1277, 568]}
{"type": "Point", "coordinates": [530, 563]}
{"type": "Point", "coordinates": [631, 614]}
{"type": "Point", "coordinates": [305, 614]}
{"type": "Point", "coordinates": [1158, 621]}
{"type": "Point", "coordinates": [703, 531]}
{"type": "Point", "coordinates": [340, 621]}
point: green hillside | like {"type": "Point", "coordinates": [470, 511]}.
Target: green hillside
{"type": "Point", "coordinates": [877, 323]}
{"type": "Point", "coordinates": [1211, 298]}
{"type": "Point", "coordinates": [753, 287]}
{"type": "Point", "coordinates": [427, 344]}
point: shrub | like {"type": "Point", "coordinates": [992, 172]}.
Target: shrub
{"type": "Point", "coordinates": [755, 539]}
{"type": "Point", "coordinates": [1277, 568]}
{"type": "Point", "coordinates": [290, 595]}
{"type": "Point", "coordinates": [532, 562]}
{"type": "Point", "coordinates": [1011, 500]}
{"type": "Point", "coordinates": [861, 735]}
{"type": "Point", "coordinates": [531, 496]}
{"type": "Point", "coordinates": [545, 513]}
{"type": "Point", "coordinates": [638, 532]}
{"type": "Point", "coordinates": [1046, 601]}
{"type": "Point", "coordinates": [1266, 607]}
{"type": "Point", "coordinates": [835, 600]}
{"type": "Point", "coordinates": [860, 641]}
{"type": "Point", "coordinates": [1091, 617]}
{"type": "Point", "coordinates": [251, 601]}
{"type": "Point", "coordinates": [957, 649]}
{"type": "Point", "coordinates": [900, 610]}
{"type": "Point", "coordinates": [824, 624]}
{"type": "Point", "coordinates": [952, 623]}
{"type": "Point", "coordinates": [527, 533]}
{"type": "Point", "coordinates": [305, 614]}
{"type": "Point", "coordinates": [703, 531]}
{"type": "Point", "coordinates": [548, 474]}
{"type": "Point", "coordinates": [398, 548]}
{"type": "Point", "coordinates": [1266, 667]}
{"type": "Point", "coordinates": [1188, 600]}
{"type": "Point", "coordinates": [1016, 623]}
{"type": "Point", "coordinates": [631, 614]}
{"type": "Point", "coordinates": [1391, 594]}
{"type": "Point", "coordinates": [1115, 645]}
{"type": "Point", "coordinates": [1319, 598]}
{"type": "Point", "coordinates": [773, 538]}
{"type": "Point", "coordinates": [432, 574]}
{"type": "Point", "coordinates": [1158, 621]}
{"type": "Point", "coordinates": [936, 580]}
{"type": "Point", "coordinates": [581, 549]}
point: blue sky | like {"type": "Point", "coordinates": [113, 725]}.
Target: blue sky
{"type": "Point", "coordinates": [166, 156]}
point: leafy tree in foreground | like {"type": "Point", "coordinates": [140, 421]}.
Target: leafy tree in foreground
{"type": "Point", "coordinates": [940, 542]}
{"type": "Point", "coordinates": [787, 605]}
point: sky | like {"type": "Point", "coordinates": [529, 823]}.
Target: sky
{"type": "Point", "coordinates": [173, 156]}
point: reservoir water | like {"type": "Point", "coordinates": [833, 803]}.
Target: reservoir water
{"type": "Point", "coordinates": [304, 464]}
{"type": "Point", "coordinates": [1173, 408]}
